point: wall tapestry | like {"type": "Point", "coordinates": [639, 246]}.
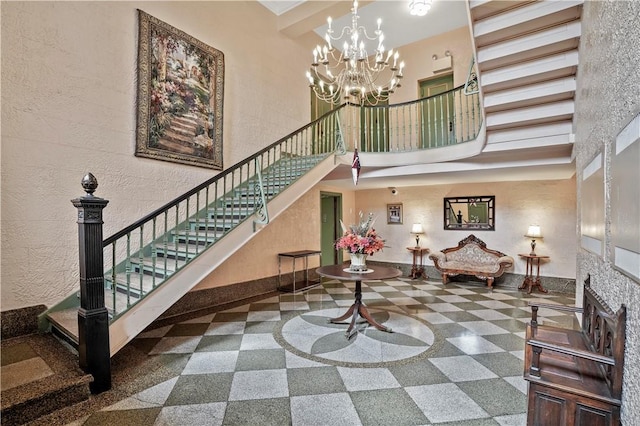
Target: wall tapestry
{"type": "Point", "coordinates": [180, 93]}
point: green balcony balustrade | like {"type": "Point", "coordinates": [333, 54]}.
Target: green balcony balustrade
{"type": "Point", "coordinates": [442, 120]}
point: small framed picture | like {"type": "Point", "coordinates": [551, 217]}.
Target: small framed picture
{"type": "Point", "coordinates": [394, 213]}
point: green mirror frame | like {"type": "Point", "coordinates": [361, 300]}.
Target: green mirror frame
{"type": "Point", "coordinates": [470, 213]}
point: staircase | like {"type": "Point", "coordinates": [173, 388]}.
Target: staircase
{"type": "Point", "coordinates": [145, 264]}
{"type": "Point", "coordinates": [526, 55]}
{"type": "Point", "coordinates": [527, 58]}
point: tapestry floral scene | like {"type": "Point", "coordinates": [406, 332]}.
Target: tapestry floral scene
{"type": "Point", "coordinates": [184, 80]}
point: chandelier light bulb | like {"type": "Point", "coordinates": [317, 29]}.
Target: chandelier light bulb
{"type": "Point", "coordinates": [328, 39]}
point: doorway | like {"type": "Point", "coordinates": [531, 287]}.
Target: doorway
{"type": "Point", "coordinates": [330, 230]}
{"type": "Point", "coordinates": [437, 111]}
{"type": "Point", "coordinates": [374, 128]}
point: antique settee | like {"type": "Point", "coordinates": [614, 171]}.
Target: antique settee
{"type": "Point", "coordinates": [471, 257]}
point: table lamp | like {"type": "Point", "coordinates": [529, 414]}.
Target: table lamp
{"type": "Point", "coordinates": [533, 232]}
{"type": "Point", "coordinates": [417, 229]}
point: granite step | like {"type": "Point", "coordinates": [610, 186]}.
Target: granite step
{"type": "Point", "coordinates": [39, 376]}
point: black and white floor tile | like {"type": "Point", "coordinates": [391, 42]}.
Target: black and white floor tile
{"type": "Point", "coordinates": [455, 356]}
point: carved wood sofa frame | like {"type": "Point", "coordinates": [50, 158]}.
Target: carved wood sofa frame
{"type": "Point", "coordinates": [488, 271]}
{"type": "Point", "coordinates": [575, 376]}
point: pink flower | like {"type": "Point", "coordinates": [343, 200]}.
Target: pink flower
{"type": "Point", "coordinates": [361, 238]}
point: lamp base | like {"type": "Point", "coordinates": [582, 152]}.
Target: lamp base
{"type": "Point", "coordinates": [533, 248]}
{"type": "Point", "coordinates": [417, 241]}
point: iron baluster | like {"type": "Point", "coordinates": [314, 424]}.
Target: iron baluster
{"type": "Point", "coordinates": [128, 269]}
{"type": "Point", "coordinates": [262, 214]}
{"type": "Point", "coordinates": [154, 253]}
{"type": "Point", "coordinates": [141, 257]}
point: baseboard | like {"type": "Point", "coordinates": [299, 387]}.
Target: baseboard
{"type": "Point", "coordinates": [507, 280]}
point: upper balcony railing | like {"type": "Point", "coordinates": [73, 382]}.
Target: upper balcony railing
{"type": "Point", "coordinates": [442, 120]}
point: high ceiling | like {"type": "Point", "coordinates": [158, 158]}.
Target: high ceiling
{"type": "Point", "coordinates": [400, 28]}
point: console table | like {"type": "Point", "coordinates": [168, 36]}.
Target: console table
{"type": "Point", "coordinates": [358, 309]}
{"type": "Point", "coordinates": [529, 281]}
{"type": "Point", "coordinates": [297, 255]}
{"type": "Point", "coordinates": [417, 270]}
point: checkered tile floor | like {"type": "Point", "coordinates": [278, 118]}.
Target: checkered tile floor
{"type": "Point", "coordinates": [237, 373]}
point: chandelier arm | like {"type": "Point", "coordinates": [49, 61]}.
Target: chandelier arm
{"type": "Point", "coordinates": [345, 31]}
{"type": "Point", "coordinates": [363, 30]}
{"type": "Point", "coordinates": [339, 59]}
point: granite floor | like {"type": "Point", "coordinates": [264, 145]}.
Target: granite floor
{"type": "Point", "coordinates": [455, 356]}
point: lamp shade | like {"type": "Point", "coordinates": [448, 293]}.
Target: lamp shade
{"type": "Point", "coordinates": [417, 229]}
{"type": "Point", "coordinates": [534, 232]}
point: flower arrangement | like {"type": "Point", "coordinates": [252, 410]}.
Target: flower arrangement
{"type": "Point", "coordinates": [361, 238]}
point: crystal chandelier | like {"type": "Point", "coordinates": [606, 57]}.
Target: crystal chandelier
{"type": "Point", "coordinates": [354, 74]}
{"type": "Point", "coordinates": [419, 7]}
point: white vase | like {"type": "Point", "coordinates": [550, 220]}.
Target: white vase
{"type": "Point", "coordinates": [358, 262]}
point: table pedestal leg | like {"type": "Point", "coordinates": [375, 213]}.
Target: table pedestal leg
{"type": "Point", "coordinates": [529, 281]}
{"type": "Point", "coordinates": [417, 269]}
{"type": "Point", "coordinates": [358, 309]}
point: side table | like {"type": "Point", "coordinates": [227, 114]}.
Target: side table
{"type": "Point", "coordinates": [358, 309]}
{"type": "Point", "coordinates": [296, 255]}
{"type": "Point", "coordinates": [417, 269]}
{"type": "Point", "coordinates": [529, 281]}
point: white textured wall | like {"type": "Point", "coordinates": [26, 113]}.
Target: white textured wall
{"type": "Point", "coordinates": [607, 96]}
{"type": "Point", "coordinates": [551, 204]}
{"type": "Point", "coordinates": [419, 62]}
{"type": "Point", "coordinates": [68, 107]}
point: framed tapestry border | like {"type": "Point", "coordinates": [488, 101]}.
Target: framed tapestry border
{"type": "Point", "coordinates": [180, 96]}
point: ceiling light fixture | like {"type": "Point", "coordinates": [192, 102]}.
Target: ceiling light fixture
{"type": "Point", "coordinates": [419, 7]}
{"type": "Point", "coordinates": [351, 74]}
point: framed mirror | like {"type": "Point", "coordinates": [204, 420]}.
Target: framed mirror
{"type": "Point", "coordinates": [474, 213]}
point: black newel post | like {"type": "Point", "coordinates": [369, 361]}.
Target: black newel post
{"type": "Point", "coordinates": [93, 318]}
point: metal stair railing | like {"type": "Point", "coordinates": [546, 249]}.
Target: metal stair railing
{"type": "Point", "coordinates": [437, 121]}
{"type": "Point", "coordinates": [145, 254]}
{"type": "Point", "coordinates": [142, 256]}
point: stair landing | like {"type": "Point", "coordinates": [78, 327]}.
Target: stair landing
{"type": "Point", "coordinates": [39, 376]}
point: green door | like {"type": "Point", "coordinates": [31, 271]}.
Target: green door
{"type": "Point", "coordinates": [330, 215]}
{"type": "Point", "coordinates": [437, 111]}
{"type": "Point", "coordinates": [374, 131]}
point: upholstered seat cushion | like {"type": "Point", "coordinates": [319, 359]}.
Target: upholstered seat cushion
{"type": "Point", "coordinates": [471, 267]}
{"type": "Point", "coordinates": [471, 257]}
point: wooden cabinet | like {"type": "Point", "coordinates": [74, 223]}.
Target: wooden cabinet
{"type": "Point", "coordinates": [552, 407]}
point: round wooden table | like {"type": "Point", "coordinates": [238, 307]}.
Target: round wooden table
{"type": "Point", "coordinates": [358, 308]}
